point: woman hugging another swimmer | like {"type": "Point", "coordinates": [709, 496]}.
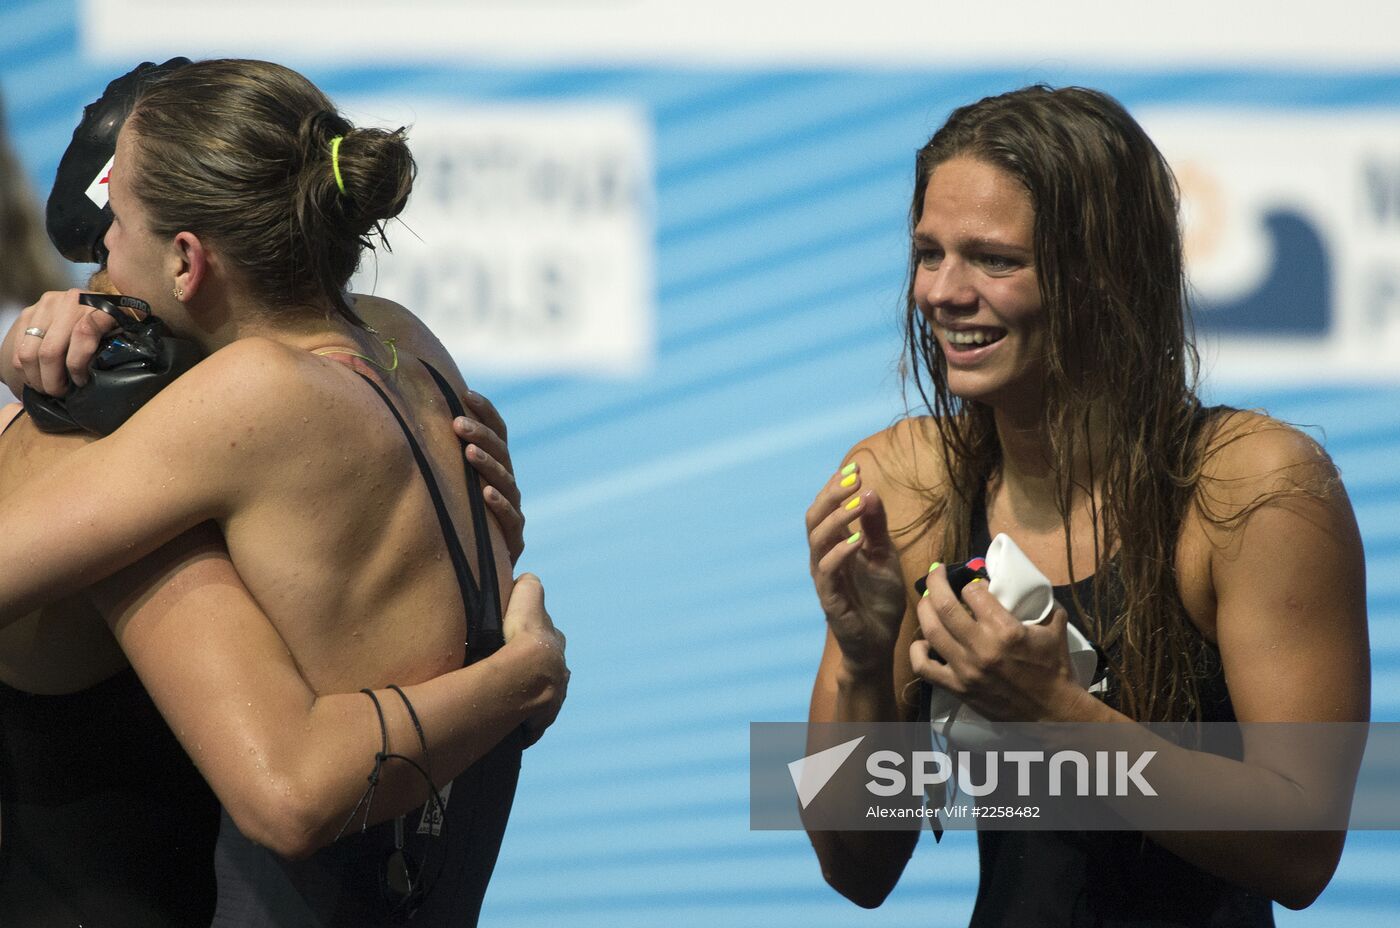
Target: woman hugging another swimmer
{"type": "Point", "coordinates": [290, 567]}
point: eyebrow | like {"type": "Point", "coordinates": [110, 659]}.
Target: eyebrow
{"type": "Point", "coordinates": [974, 242]}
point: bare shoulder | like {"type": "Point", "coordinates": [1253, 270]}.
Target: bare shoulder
{"type": "Point", "coordinates": [904, 465]}
{"type": "Point", "coordinates": [410, 333]}
{"type": "Point", "coordinates": [244, 400]}
{"type": "Point", "coordinates": [1249, 456]}
{"type": "Point", "coordinates": [906, 454]}
{"type": "Point", "coordinates": [1262, 479]}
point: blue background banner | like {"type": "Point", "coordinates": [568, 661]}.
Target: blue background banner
{"type": "Point", "coordinates": [666, 508]}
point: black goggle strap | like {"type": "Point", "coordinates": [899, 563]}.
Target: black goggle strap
{"type": "Point", "coordinates": [126, 310]}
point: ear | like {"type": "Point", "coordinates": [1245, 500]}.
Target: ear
{"type": "Point", "coordinates": [191, 263]}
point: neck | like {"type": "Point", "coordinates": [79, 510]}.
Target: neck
{"type": "Point", "coordinates": [1029, 480]}
{"type": "Point", "coordinates": [219, 320]}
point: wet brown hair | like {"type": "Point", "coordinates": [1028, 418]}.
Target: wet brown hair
{"type": "Point", "coordinates": [239, 151]}
{"type": "Point", "coordinates": [28, 263]}
{"type": "Point", "coordinates": [1120, 349]}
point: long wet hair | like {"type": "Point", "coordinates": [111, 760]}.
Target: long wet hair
{"type": "Point", "coordinates": [1120, 347]}
{"type": "Point", "coordinates": [28, 263]}
{"type": "Point", "coordinates": [245, 153]}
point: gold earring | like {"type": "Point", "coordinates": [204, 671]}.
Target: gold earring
{"type": "Point", "coordinates": [179, 293]}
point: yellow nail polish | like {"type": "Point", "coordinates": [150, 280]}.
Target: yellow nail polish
{"type": "Point", "coordinates": [934, 566]}
{"type": "Point", "coordinates": [855, 501]}
{"type": "Point", "coordinates": [975, 580]}
{"type": "Point", "coordinates": [848, 469]}
{"type": "Point", "coordinates": [853, 539]}
{"type": "Point", "coordinates": [925, 594]}
{"type": "Point", "coordinates": [848, 481]}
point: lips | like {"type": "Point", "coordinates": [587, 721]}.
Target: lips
{"type": "Point", "coordinates": [970, 343]}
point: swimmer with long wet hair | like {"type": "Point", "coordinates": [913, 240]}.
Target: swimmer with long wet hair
{"type": "Point", "coordinates": [284, 534]}
{"type": "Point", "coordinates": [1212, 553]}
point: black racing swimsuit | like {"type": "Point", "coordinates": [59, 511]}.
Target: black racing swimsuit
{"type": "Point", "coordinates": [104, 821]}
{"type": "Point", "coordinates": [1104, 879]}
{"type": "Point", "coordinates": [343, 885]}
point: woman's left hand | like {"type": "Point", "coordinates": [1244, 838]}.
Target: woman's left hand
{"type": "Point", "coordinates": [485, 432]}
{"type": "Point", "coordinates": [1006, 670]}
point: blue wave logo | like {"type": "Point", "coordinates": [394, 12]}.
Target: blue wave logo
{"type": "Point", "coordinates": [1295, 296]}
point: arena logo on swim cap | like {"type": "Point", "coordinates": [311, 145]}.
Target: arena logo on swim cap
{"type": "Point", "coordinates": [97, 190]}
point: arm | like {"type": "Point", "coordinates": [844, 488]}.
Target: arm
{"type": "Point", "coordinates": [1287, 577]}
{"type": "Point", "coordinates": [181, 460]}
{"type": "Point", "coordinates": [290, 766]}
{"type": "Point", "coordinates": [862, 592]}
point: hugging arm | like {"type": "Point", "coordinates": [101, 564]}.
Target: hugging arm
{"type": "Point", "coordinates": [290, 766]}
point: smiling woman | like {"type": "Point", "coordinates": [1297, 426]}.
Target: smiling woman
{"type": "Point", "coordinates": [1048, 334]}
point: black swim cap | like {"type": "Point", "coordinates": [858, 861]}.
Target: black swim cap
{"type": "Point", "coordinates": [78, 214]}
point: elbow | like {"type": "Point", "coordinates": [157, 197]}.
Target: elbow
{"type": "Point", "coordinates": [860, 872]}
{"type": "Point", "coordinates": [283, 820]}
{"type": "Point", "coordinates": [1311, 872]}
{"type": "Point", "coordinates": [862, 892]}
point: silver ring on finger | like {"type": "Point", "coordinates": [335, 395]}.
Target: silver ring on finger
{"type": "Point", "coordinates": [36, 331]}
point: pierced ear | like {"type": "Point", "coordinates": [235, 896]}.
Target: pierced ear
{"type": "Point", "coordinates": [191, 264]}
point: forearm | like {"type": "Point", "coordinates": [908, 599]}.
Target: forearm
{"type": "Point", "coordinates": [318, 768]}
{"type": "Point", "coordinates": [863, 866]}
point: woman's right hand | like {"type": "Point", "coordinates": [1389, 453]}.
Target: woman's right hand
{"type": "Point", "coordinates": [857, 575]}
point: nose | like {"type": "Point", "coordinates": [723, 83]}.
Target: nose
{"type": "Point", "coordinates": [947, 287]}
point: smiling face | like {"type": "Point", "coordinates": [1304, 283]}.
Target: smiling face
{"type": "Point", "coordinates": [975, 282]}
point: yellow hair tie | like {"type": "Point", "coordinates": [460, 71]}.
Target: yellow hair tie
{"type": "Point", "coordinates": [335, 162]}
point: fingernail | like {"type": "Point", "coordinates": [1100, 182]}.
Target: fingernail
{"type": "Point", "coordinates": [855, 501]}
{"type": "Point", "coordinates": [848, 481]}
{"type": "Point", "coordinates": [925, 596]}
{"type": "Point", "coordinates": [975, 580]}
{"type": "Point", "coordinates": [848, 469]}
{"type": "Point", "coordinates": [934, 566]}
{"type": "Point", "coordinates": [853, 539]}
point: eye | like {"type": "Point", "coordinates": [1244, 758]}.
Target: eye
{"type": "Point", "coordinates": [928, 257]}
{"type": "Point", "coordinates": [999, 264]}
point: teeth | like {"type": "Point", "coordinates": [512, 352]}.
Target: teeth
{"type": "Point", "coordinates": [975, 337]}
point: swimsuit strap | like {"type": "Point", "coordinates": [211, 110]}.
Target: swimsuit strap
{"type": "Point", "coordinates": [490, 634]}
{"type": "Point", "coordinates": [480, 640]}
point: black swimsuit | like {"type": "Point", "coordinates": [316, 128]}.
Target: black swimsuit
{"type": "Point", "coordinates": [342, 885]}
{"type": "Point", "coordinates": [104, 821]}
{"type": "Point", "coordinates": [1105, 879]}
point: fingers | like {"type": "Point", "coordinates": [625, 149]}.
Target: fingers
{"type": "Point", "coordinates": [832, 541]}
{"type": "Point", "coordinates": [486, 413]}
{"type": "Point", "coordinates": [844, 484]}
{"type": "Point", "coordinates": [936, 610]}
{"type": "Point", "coordinates": [490, 459]}
{"type": "Point", "coordinates": [511, 520]}
{"type": "Point", "coordinates": [528, 594]}
{"type": "Point", "coordinates": [927, 666]}
{"type": "Point", "coordinates": [87, 335]}
{"type": "Point", "coordinates": [59, 338]}
{"type": "Point", "coordinates": [488, 456]}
